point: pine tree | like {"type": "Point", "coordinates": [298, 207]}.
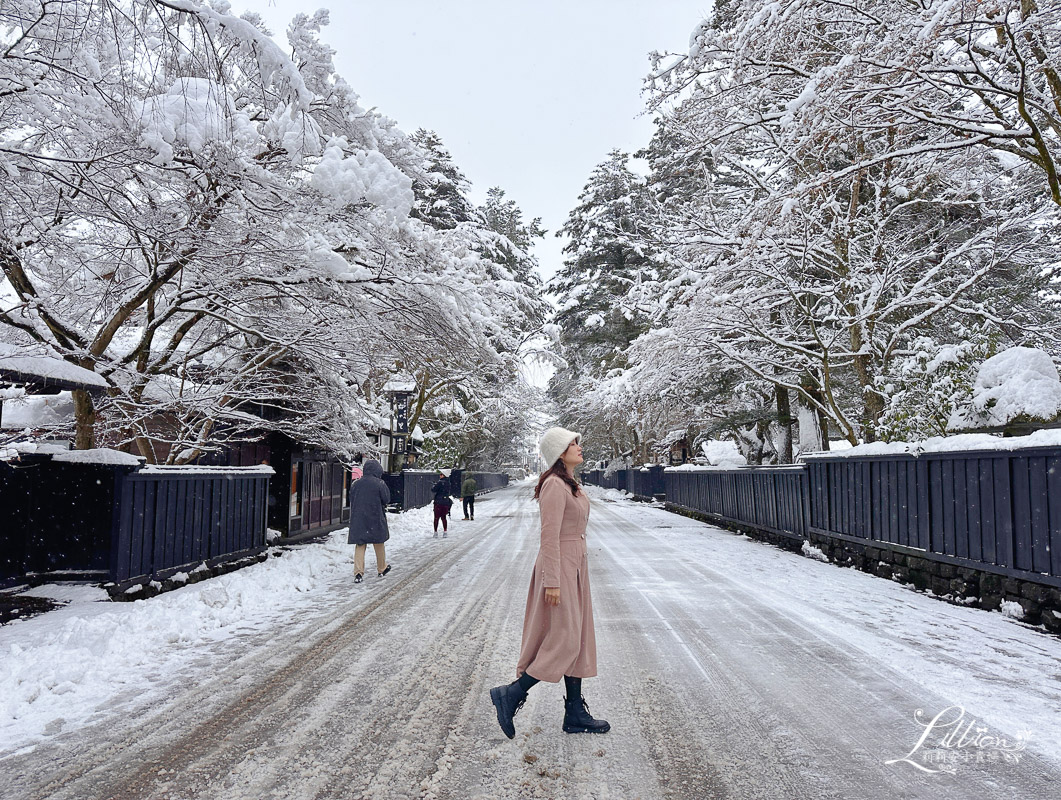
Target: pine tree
{"type": "Point", "coordinates": [442, 191]}
{"type": "Point", "coordinates": [604, 262]}
{"type": "Point", "coordinates": [514, 238]}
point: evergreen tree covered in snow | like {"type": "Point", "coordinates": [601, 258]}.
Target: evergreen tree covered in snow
{"type": "Point", "coordinates": [512, 237]}
{"type": "Point", "coordinates": [605, 263]}
{"type": "Point", "coordinates": [442, 191]}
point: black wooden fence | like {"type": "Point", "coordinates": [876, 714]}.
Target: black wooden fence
{"type": "Point", "coordinates": [999, 509]}
{"type": "Point", "coordinates": [169, 520]}
{"type": "Point", "coordinates": [769, 498]}
{"type": "Point", "coordinates": [412, 488]}
{"type": "Point", "coordinates": [484, 481]}
{"type": "Point", "coordinates": [640, 481]}
{"type": "Point", "coordinates": [56, 518]}
{"type": "Point", "coordinates": [993, 510]}
{"type": "Point", "coordinates": [102, 521]}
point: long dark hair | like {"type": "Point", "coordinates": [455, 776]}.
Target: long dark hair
{"type": "Point", "coordinates": [559, 470]}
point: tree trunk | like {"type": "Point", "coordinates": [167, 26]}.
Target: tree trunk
{"type": "Point", "coordinates": [785, 420]}
{"type": "Point", "coordinates": [85, 418]}
{"type": "Point", "coordinates": [147, 449]}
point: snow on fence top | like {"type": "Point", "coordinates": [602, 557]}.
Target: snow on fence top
{"type": "Point", "coordinates": [161, 469]}
{"type": "Point", "coordinates": [15, 449]}
{"type": "Point", "coordinates": [948, 444]}
{"type": "Point", "coordinates": [100, 455]}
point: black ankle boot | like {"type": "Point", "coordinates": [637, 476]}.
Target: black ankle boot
{"type": "Point", "coordinates": [577, 718]}
{"type": "Point", "coordinates": [508, 700]}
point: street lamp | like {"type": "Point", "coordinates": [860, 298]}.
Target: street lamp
{"type": "Point", "coordinates": [399, 389]}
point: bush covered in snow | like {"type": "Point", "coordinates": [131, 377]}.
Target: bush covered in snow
{"type": "Point", "coordinates": [1020, 384]}
{"type": "Point", "coordinates": [722, 454]}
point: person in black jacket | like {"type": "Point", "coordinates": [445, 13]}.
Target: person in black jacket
{"type": "Point", "coordinates": [443, 502]}
{"type": "Point", "coordinates": [369, 496]}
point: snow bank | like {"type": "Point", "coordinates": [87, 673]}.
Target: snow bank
{"type": "Point", "coordinates": [62, 669]}
{"type": "Point", "coordinates": [1021, 382]}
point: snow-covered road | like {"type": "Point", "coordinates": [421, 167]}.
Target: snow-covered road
{"type": "Point", "coordinates": [728, 669]}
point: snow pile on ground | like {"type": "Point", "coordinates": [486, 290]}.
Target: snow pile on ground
{"type": "Point", "coordinates": [63, 668]}
{"type": "Point", "coordinates": [1018, 383]}
{"type": "Point", "coordinates": [810, 551]}
{"type": "Point", "coordinates": [1011, 608]}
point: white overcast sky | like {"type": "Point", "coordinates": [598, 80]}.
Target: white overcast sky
{"type": "Point", "coordinates": [528, 96]}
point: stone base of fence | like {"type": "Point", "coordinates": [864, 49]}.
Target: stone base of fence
{"type": "Point", "coordinates": [960, 585]}
{"type": "Point", "coordinates": [143, 588]}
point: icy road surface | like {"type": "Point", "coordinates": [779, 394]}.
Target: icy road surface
{"type": "Point", "coordinates": [729, 669]}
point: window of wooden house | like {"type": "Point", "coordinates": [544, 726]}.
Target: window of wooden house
{"type": "Point", "coordinates": [346, 487]}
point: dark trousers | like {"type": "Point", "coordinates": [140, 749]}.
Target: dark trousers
{"type": "Point", "coordinates": [469, 506]}
{"type": "Point", "coordinates": [440, 514]}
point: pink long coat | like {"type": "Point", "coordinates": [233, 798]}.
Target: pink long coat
{"type": "Point", "coordinates": [559, 640]}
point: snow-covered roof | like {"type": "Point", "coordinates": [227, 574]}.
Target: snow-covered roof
{"type": "Point", "coordinates": [38, 411]}
{"type": "Point", "coordinates": [22, 366]}
{"type": "Point", "coordinates": [672, 437]}
{"type": "Point", "coordinates": [400, 383]}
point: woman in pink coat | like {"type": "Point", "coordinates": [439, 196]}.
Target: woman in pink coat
{"type": "Point", "coordinates": [558, 640]}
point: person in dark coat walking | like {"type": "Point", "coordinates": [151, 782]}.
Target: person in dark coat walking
{"type": "Point", "coordinates": [369, 496]}
{"type": "Point", "coordinates": [443, 502]}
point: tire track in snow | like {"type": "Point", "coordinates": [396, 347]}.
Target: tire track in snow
{"type": "Point", "coordinates": [176, 760]}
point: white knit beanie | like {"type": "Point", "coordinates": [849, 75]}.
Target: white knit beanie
{"type": "Point", "coordinates": [554, 442]}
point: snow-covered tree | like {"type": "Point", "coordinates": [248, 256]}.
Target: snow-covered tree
{"type": "Point", "coordinates": [219, 230]}
{"type": "Point", "coordinates": [823, 240]}
{"type": "Point", "coordinates": [442, 191]}
{"type": "Point", "coordinates": [605, 263]}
